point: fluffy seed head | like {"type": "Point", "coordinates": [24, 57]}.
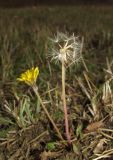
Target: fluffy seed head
{"type": "Point", "coordinates": [66, 48]}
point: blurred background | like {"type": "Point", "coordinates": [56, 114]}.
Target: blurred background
{"type": "Point", "coordinates": [25, 26]}
{"type": "Point", "coordinates": [20, 3]}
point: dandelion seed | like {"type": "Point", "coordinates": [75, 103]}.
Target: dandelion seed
{"type": "Point", "coordinates": [30, 76]}
{"type": "Point", "coordinates": [66, 49]}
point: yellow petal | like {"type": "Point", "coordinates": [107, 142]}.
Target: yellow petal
{"type": "Point", "coordinates": [30, 76]}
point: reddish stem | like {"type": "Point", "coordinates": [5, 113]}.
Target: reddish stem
{"type": "Point", "coordinates": [64, 104]}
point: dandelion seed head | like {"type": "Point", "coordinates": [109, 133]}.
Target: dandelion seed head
{"type": "Point", "coordinates": [66, 48]}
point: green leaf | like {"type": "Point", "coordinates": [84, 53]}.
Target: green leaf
{"type": "Point", "coordinates": [5, 121]}
{"type": "Point", "coordinates": [75, 149]}
{"type": "Point", "coordinates": [79, 130]}
{"type": "Point", "coordinates": [50, 146]}
{"type": "Point", "coordinates": [59, 115]}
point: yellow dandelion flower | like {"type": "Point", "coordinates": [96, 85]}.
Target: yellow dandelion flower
{"type": "Point", "coordinates": [30, 76]}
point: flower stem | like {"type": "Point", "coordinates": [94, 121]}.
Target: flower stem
{"type": "Point", "coordinates": [64, 104]}
{"type": "Point", "coordinates": [47, 113]}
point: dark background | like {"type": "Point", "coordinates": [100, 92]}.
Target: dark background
{"type": "Point", "coordinates": [20, 3]}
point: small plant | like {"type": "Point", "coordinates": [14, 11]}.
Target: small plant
{"type": "Point", "coordinates": [30, 77]}
{"type": "Point", "coordinates": [66, 50]}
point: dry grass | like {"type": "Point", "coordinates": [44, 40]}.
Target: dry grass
{"type": "Point", "coordinates": [25, 131]}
